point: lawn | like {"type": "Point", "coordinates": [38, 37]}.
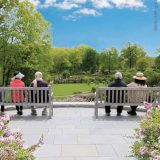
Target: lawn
{"type": "Point", "coordinates": [70, 89]}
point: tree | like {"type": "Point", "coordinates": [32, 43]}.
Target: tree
{"type": "Point", "coordinates": [108, 60]}
{"type": "Point", "coordinates": [90, 60]}
{"type": "Point", "coordinates": [24, 37]}
{"type": "Point", "coordinates": [157, 62]}
{"type": "Point", "coordinates": [60, 60]}
{"type": "Point", "coordinates": [144, 62]}
{"type": "Point", "coordinates": [75, 58]}
{"type": "Point", "coordinates": [131, 53]}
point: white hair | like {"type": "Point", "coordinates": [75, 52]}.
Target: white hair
{"type": "Point", "coordinates": [118, 75]}
{"type": "Point", "coordinates": [38, 75]}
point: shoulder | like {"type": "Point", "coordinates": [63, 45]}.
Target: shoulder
{"type": "Point", "coordinates": [11, 83]}
{"type": "Point", "coordinates": [132, 84]}
{"type": "Point", "coordinates": [123, 84]}
{"type": "Point", "coordinates": [42, 84]}
{"type": "Point", "coordinates": [45, 84]}
{"type": "Point", "coordinates": [111, 84]}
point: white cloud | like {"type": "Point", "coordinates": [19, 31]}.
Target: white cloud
{"type": "Point", "coordinates": [36, 3]}
{"type": "Point", "coordinates": [87, 11]}
{"type": "Point", "coordinates": [66, 5]}
{"type": "Point", "coordinates": [158, 1]}
{"type": "Point", "coordinates": [71, 17]}
{"type": "Point", "coordinates": [80, 1]}
{"type": "Point", "coordinates": [101, 4]}
{"type": "Point", "coordinates": [48, 3]}
{"type": "Point", "coordinates": [118, 3]}
{"type": "Point", "coordinates": [128, 3]}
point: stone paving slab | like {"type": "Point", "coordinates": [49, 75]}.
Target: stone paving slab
{"type": "Point", "coordinates": [75, 134]}
{"type": "Point", "coordinates": [79, 150]}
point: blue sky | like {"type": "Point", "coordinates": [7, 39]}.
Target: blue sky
{"type": "Point", "coordinates": [101, 23]}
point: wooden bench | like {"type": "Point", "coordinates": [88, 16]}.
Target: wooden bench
{"type": "Point", "coordinates": [125, 96]}
{"type": "Point", "coordinates": [27, 96]}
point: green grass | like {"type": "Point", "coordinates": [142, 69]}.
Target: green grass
{"type": "Point", "coordinates": [70, 89]}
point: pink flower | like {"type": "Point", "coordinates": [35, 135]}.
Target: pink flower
{"type": "Point", "coordinates": [7, 117]}
{"type": "Point", "coordinates": [153, 153]}
{"type": "Point", "coordinates": [147, 105]}
{"type": "Point", "coordinates": [140, 132]}
{"type": "Point", "coordinates": [1, 124]}
{"type": "Point", "coordinates": [143, 150]}
{"type": "Point", "coordinates": [7, 132]}
{"type": "Point", "coordinates": [157, 158]}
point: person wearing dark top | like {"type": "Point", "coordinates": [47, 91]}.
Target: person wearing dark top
{"type": "Point", "coordinates": [38, 82]}
{"type": "Point", "coordinates": [116, 83]}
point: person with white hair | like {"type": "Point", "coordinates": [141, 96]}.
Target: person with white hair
{"type": "Point", "coordinates": [116, 83]}
{"type": "Point", "coordinates": [38, 82]}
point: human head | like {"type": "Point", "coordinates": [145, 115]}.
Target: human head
{"type": "Point", "coordinates": [118, 75]}
{"type": "Point", "coordinates": [17, 75]}
{"type": "Point", "coordinates": [139, 78]}
{"type": "Point", "coordinates": [38, 75]}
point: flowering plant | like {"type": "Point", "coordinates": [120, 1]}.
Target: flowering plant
{"type": "Point", "coordinates": [147, 144]}
{"type": "Point", "coordinates": [11, 143]}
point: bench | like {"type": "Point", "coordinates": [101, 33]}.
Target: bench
{"type": "Point", "coordinates": [27, 96]}
{"type": "Point", "coordinates": [125, 96]}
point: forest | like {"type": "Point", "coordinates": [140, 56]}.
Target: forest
{"type": "Point", "coordinates": [26, 46]}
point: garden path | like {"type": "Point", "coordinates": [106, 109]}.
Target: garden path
{"type": "Point", "coordinates": [74, 134]}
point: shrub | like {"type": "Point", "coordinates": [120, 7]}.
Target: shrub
{"type": "Point", "coordinates": [11, 143]}
{"type": "Point", "coordinates": [93, 90]}
{"type": "Point", "coordinates": [147, 144]}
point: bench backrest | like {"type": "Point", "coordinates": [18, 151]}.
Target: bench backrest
{"type": "Point", "coordinates": [127, 95]}
{"type": "Point", "coordinates": [34, 96]}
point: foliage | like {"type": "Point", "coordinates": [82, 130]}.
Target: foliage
{"type": "Point", "coordinates": [23, 38]}
{"type": "Point", "coordinates": [108, 60]}
{"type": "Point", "coordinates": [131, 53]}
{"type": "Point", "coordinates": [144, 62]}
{"type": "Point", "coordinates": [90, 60]}
{"type": "Point", "coordinates": [153, 77]}
{"type": "Point", "coordinates": [11, 143]}
{"type": "Point", "coordinates": [147, 144]}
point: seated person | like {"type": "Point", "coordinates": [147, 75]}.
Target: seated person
{"type": "Point", "coordinates": [139, 96]}
{"type": "Point", "coordinates": [116, 83]}
{"type": "Point", "coordinates": [17, 95]}
{"type": "Point", "coordinates": [38, 82]}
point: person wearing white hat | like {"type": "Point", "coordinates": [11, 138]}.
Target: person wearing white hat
{"type": "Point", "coordinates": [16, 81]}
{"type": "Point", "coordinates": [116, 83]}
{"type": "Point", "coordinates": [139, 81]}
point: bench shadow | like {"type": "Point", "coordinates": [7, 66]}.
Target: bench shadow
{"type": "Point", "coordinates": [117, 118]}
{"type": "Point", "coordinates": [29, 118]}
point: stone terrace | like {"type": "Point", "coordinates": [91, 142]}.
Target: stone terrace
{"type": "Point", "coordinates": [74, 134]}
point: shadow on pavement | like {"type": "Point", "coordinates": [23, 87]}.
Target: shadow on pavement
{"type": "Point", "coordinates": [29, 118]}
{"type": "Point", "coordinates": [118, 118]}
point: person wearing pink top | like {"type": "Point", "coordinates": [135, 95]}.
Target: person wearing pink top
{"type": "Point", "coordinates": [17, 96]}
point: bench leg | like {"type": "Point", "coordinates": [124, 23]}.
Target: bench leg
{"type": "Point", "coordinates": [96, 111]}
{"type": "Point", "coordinates": [50, 112]}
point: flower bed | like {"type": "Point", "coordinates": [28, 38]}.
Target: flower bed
{"type": "Point", "coordinates": [11, 143]}
{"type": "Point", "coordinates": [147, 144]}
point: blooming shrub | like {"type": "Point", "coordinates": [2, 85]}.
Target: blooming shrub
{"type": "Point", "coordinates": [147, 144]}
{"type": "Point", "coordinates": [11, 143]}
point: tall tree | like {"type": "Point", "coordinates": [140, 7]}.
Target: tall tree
{"type": "Point", "coordinates": [90, 60]}
{"type": "Point", "coordinates": [24, 36]}
{"type": "Point", "coordinates": [60, 60]}
{"type": "Point", "coordinates": [109, 60]}
{"type": "Point", "coordinates": [75, 58]}
{"type": "Point", "coordinates": [131, 53]}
